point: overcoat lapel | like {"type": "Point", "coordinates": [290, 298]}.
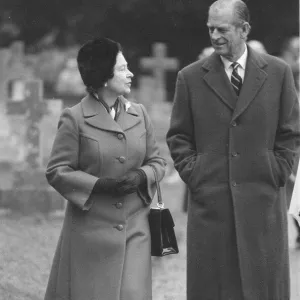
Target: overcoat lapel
{"type": "Point", "coordinates": [217, 79]}
{"type": "Point", "coordinates": [96, 115]}
{"type": "Point", "coordinates": [255, 77]}
{"type": "Point", "coordinates": [129, 117]}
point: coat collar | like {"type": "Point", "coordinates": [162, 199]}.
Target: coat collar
{"type": "Point", "coordinates": [96, 115]}
{"type": "Point", "coordinates": [217, 79]}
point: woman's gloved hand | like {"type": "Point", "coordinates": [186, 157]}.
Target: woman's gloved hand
{"type": "Point", "coordinates": [106, 185]}
{"type": "Point", "coordinates": [130, 182]}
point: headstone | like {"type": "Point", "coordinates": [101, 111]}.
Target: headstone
{"type": "Point", "coordinates": [12, 66]}
{"type": "Point", "coordinates": [69, 80]}
{"type": "Point", "coordinates": [159, 64]}
{"type": "Point", "coordinates": [13, 71]}
{"type": "Point", "coordinates": [22, 108]}
{"type": "Point", "coordinates": [25, 110]}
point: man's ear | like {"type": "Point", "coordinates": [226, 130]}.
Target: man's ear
{"type": "Point", "coordinates": [245, 30]}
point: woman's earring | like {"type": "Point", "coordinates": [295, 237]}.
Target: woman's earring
{"type": "Point", "coordinates": [105, 84]}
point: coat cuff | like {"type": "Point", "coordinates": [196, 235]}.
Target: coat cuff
{"type": "Point", "coordinates": [147, 192]}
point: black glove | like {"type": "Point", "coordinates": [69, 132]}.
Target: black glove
{"type": "Point", "coordinates": [105, 184]}
{"type": "Point", "coordinates": [131, 181]}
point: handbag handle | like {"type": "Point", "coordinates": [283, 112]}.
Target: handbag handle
{"type": "Point", "coordinates": [160, 203]}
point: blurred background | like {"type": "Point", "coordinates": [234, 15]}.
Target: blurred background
{"type": "Point", "coordinates": [39, 41]}
{"type": "Point", "coordinates": [59, 26]}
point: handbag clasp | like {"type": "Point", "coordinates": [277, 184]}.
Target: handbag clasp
{"type": "Point", "coordinates": [160, 205]}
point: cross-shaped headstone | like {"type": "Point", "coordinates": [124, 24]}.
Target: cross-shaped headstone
{"type": "Point", "coordinates": [159, 64]}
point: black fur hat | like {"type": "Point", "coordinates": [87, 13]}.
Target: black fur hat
{"type": "Point", "coordinates": [96, 60]}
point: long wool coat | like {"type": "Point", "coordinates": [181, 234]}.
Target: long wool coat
{"type": "Point", "coordinates": [104, 247]}
{"type": "Point", "coordinates": [235, 156]}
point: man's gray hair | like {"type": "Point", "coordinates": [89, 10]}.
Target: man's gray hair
{"type": "Point", "coordinates": [242, 12]}
{"type": "Point", "coordinates": [240, 9]}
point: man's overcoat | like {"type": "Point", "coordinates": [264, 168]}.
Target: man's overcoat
{"type": "Point", "coordinates": [235, 154]}
{"type": "Point", "coordinates": [104, 248]}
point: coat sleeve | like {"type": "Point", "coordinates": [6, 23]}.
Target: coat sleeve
{"type": "Point", "coordinates": [287, 140]}
{"type": "Point", "coordinates": [153, 162]}
{"type": "Point", "coordinates": [180, 136]}
{"type": "Point", "coordinates": [62, 170]}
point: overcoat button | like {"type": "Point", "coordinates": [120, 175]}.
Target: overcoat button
{"type": "Point", "coordinates": [233, 124]}
{"type": "Point", "coordinates": [120, 136]}
{"type": "Point", "coordinates": [119, 205]}
{"type": "Point", "coordinates": [234, 154]}
{"type": "Point", "coordinates": [233, 183]}
{"type": "Point", "coordinates": [122, 159]}
{"type": "Point", "coordinates": [120, 227]}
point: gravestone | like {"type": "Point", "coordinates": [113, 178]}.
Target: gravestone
{"type": "Point", "coordinates": [159, 64]}
{"type": "Point", "coordinates": [12, 66]}
{"type": "Point", "coordinates": [22, 108]}
{"type": "Point", "coordinates": [69, 81]}
{"type": "Point", "coordinates": [12, 69]}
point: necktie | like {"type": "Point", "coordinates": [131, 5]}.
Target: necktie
{"type": "Point", "coordinates": [236, 79]}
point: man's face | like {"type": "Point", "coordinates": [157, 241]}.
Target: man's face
{"type": "Point", "coordinates": [225, 35]}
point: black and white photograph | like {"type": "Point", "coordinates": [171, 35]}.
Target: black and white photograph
{"type": "Point", "coordinates": [149, 150]}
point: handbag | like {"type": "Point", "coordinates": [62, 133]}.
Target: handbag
{"type": "Point", "coordinates": [163, 238]}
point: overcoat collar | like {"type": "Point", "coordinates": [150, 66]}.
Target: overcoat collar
{"type": "Point", "coordinates": [96, 115]}
{"type": "Point", "coordinates": [217, 79]}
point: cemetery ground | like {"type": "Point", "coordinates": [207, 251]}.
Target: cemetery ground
{"type": "Point", "coordinates": [27, 244]}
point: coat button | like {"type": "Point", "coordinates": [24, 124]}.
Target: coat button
{"type": "Point", "coordinates": [122, 159]}
{"type": "Point", "coordinates": [119, 205]}
{"type": "Point", "coordinates": [233, 183]}
{"type": "Point", "coordinates": [233, 124]}
{"type": "Point", "coordinates": [234, 154]}
{"type": "Point", "coordinates": [120, 227]}
{"type": "Point", "coordinates": [120, 136]}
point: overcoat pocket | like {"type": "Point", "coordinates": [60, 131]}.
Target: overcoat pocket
{"type": "Point", "coordinates": [89, 155]}
{"type": "Point", "coordinates": [196, 174]}
{"type": "Point", "coordinates": [274, 168]}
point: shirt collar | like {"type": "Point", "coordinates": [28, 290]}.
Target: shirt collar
{"type": "Point", "coordinates": [241, 61]}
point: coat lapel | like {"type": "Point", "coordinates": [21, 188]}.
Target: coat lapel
{"type": "Point", "coordinates": [217, 79]}
{"type": "Point", "coordinates": [96, 115]}
{"type": "Point", "coordinates": [129, 117]}
{"type": "Point", "coordinates": [254, 79]}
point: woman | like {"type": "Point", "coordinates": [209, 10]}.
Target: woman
{"type": "Point", "coordinates": [103, 161]}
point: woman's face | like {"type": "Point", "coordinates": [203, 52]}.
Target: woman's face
{"type": "Point", "coordinates": [121, 82]}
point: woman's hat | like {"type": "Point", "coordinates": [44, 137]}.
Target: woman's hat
{"type": "Point", "coordinates": [96, 60]}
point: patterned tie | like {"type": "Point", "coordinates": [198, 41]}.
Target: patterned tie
{"type": "Point", "coordinates": [236, 79]}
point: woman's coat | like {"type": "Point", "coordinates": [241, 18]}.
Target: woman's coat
{"type": "Point", "coordinates": [235, 156]}
{"type": "Point", "coordinates": [104, 247]}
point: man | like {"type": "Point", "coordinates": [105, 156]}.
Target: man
{"type": "Point", "coordinates": [233, 136]}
